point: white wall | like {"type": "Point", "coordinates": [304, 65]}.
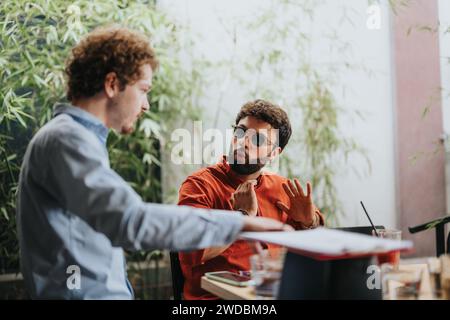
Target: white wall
{"type": "Point", "coordinates": [372, 95]}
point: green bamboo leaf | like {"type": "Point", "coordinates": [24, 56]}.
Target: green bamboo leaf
{"type": "Point", "coordinates": [23, 113]}
{"type": "Point", "coordinates": [5, 213]}
{"type": "Point", "coordinates": [39, 81]}
{"type": "Point", "coordinates": [18, 117]}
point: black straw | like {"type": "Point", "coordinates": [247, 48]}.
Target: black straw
{"type": "Point", "coordinates": [370, 220]}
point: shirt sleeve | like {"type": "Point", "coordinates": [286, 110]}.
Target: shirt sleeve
{"type": "Point", "coordinates": [194, 193]}
{"type": "Point", "coordinates": [80, 177]}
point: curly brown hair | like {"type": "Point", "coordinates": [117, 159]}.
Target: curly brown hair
{"type": "Point", "coordinates": [104, 50]}
{"type": "Point", "coordinates": [270, 113]}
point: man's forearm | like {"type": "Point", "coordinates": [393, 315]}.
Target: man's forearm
{"type": "Point", "coordinates": [183, 228]}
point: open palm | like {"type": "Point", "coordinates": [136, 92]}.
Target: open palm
{"type": "Point", "coordinates": [302, 208]}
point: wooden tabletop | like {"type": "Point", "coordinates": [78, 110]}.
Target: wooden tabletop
{"type": "Point", "coordinates": [227, 291]}
{"type": "Point", "coordinates": [230, 292]}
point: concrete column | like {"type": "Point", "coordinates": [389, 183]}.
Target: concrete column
{"type": "Point", "coordinates": [420, 172]}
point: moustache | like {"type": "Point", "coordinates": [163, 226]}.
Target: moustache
{"type": "Point", "coordinates": [241, 156]}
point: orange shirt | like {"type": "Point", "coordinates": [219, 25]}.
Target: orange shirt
{"type": "Point", "coordinates": [212, 187]}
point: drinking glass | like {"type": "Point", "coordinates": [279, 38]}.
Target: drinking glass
{"type": "Point", "coordinates": [266, 270]}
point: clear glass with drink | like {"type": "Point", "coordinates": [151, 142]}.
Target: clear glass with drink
{"type": "Point", "coordinates": [400, 284]}
{"type": "Point", "coordinates": [392, 257]}
{"type": "Point", "coordinates": [266, 270]}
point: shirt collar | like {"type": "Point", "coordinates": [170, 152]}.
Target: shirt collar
{"type": "Point", "coordinates": [86, 119]}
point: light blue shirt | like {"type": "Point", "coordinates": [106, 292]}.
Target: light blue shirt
{"type": "Point", "coordinates": [74, 211]}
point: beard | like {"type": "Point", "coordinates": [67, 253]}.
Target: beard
{"type": "Point", "coordinates": [246, 167]}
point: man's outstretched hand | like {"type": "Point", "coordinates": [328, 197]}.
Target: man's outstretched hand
{"type": "Point", "coordinates": [264, 224]}
{"type": "Point", "coordinates": [302, 208]}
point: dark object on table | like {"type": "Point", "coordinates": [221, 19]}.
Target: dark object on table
{"type": "Point", "coordinates": [439, 225]}
{"type": "Point", "coordinates": [367, 230]}
{"type": "Point", "coordinates": [305, 278]}
{"type": "Point", "coordinates": [344, 279]}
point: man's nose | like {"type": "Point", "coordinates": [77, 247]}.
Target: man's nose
{"type": "Point", "coordinates": [243, 142]}
{"type": "Point", "coordinates": [145, 106]}
{"type": "Point", "coordinates": [247, 142]}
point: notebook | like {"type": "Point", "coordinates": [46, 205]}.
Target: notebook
{"type": "Point", "coordinates": [324, 244]}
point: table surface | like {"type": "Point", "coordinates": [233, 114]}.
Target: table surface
{"type": "Point", "coordinates": [227, 291]}
{"type": "Point", "coordinates": [230, 292]}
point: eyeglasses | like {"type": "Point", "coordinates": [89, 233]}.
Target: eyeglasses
{"type": "Point", "coordinates": [258, 139]}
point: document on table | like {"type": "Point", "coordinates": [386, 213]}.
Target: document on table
{"type": "Point", "coordinates": [329, 242]}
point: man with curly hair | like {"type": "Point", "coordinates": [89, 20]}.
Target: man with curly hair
{"type": "Point", "coordinates": [74, 213]}
{"type": "Point", "coordinates": [238, 182]}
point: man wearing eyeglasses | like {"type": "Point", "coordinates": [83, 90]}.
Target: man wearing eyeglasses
{"type": "Point", "coordinates": [261, 132]}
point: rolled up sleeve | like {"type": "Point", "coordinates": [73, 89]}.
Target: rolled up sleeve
{"type": "Point", "coordinates": [193, 193]}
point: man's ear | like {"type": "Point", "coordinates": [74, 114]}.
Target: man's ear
{"type": "Point", "coordinates": [111, 85]}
